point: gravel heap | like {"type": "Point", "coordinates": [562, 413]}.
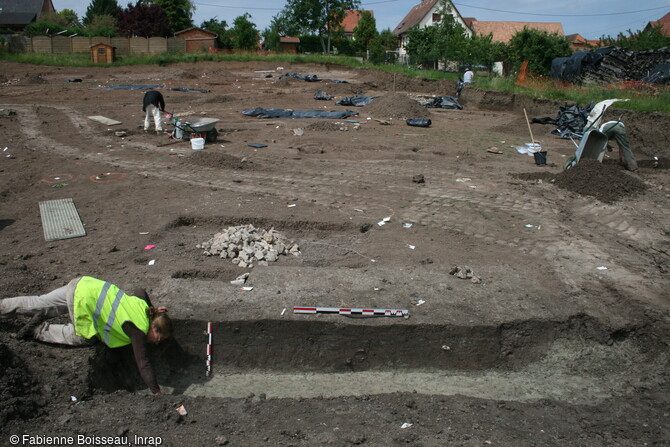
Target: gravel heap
{"type": "Point", "coordinates": [246, 245]}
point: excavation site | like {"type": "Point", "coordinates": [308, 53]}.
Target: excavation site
{"type": "Point", "coordinates": [385, 274]}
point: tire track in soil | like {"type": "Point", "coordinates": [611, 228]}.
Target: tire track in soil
{"type": "Point", "coordinates": [573, 256]}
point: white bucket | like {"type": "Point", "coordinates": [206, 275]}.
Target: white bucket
{"type": "Point", "coordinates": [197, 143]}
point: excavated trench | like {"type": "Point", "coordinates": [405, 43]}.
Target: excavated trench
{"type": "Point", "coordinates": [576, 361]}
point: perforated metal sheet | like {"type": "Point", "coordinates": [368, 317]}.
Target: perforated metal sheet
{"type": "Point", "coordinates": [60, 220]}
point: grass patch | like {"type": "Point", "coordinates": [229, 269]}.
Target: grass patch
{"type": "Point", "coordinates": [650, 99]}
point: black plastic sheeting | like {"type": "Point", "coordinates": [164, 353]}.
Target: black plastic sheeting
{"type": "Point", "coordinates": [443, 102]}
{"type": "Point", "coordinates": [310, 78]}
{"type": "Point", "coordinates": [570, 68]}
{"type": "Point", "coordinates": [131, 87]}
{"type": "Point", "coordinates": [419, 122]}
{"type": "Point", "coordinates": [660, 74]}
{"type": "Point", "coordinates": [355, 101]}
{"type": "Point", "coordinates": [260, 112]}
{"type": "Point", "coordinates": [570, 120]}
{"type": "Point", "coordinates": [323, 96]}
{"type": "Point", "coordinates": [188, 90]}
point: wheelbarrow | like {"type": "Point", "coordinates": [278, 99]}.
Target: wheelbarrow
{"type": "Point", "coordinates": [195, 128]}
{"type": "Point", "coordinates": [592, 146]}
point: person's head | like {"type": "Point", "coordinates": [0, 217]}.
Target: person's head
{"type": "Point", "coordinates": [160, 328]}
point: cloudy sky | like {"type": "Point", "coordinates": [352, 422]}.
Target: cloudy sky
{"type": "Point", "coordinates": [590, 18]}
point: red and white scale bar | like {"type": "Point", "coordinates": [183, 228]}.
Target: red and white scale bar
{"type": "Point", "coordinates": [209, 348]}
{"type": "Point", "coordinates": [351, 311]}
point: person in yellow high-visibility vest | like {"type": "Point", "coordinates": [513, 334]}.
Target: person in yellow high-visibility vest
{"type": "Point", "coordinates": [98, 310]}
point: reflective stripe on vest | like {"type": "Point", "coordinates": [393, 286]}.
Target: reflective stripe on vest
{"type": "Point", "coordinates": [101, 309]}
{"type": "Point", "coordinates": [112, 314]}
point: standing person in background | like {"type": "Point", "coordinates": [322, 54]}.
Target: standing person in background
{"type": "Point", "coordinates": [153, 105]}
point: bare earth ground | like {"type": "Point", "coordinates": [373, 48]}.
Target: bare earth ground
{"type": "Point", "coordinates": [563, 342]}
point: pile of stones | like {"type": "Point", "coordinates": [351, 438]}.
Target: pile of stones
{"type": "Point", "coordinates": [247, 245]}
{"type": "Point", "coordinates": [465, 273]}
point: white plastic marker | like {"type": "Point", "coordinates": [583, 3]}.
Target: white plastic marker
{"type": "Point", "coordinates": [351, 311]}
{"type": "Point", "coordinates": [209, 349]}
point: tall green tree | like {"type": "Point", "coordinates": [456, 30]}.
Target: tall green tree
{"type": "Point", "coordinates": [272, 34]}
{"type": "Point", "coordinates": [444, 41]}
{"type": "Point", "coordinates": [365, 31]}
{"type": "Point", "coordinates": [178, 12]}
{"type": "Point", "coordinates": [321, 17]}
{"type": "Point", "coordinates": [101, 25]}
{"type": "Point", "coordinates": [221, 30]}
{"type": "Point", "coordinates": [383, 47]}
{"type": "Point", "coordinates": [539, 48]}
{"type": "Point", "coordinates": [100, 7]}
{"type": "Point", "coordinates": [243, 34]}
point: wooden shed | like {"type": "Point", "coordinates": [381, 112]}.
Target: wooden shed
{"type": "Point", "coordinates": [289, 44]}
{"type": "Point", "coordinates": [102, 53]}
{"type": "Point", "coordinates": [197, 39]}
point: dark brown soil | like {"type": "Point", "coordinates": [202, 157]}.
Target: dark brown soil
{"type": "Point", "coordinates": [561, 340]}
{"type": "Point", "coordinates": [395, 105]}
{"type": "Point", "coordinates": [607, 182]}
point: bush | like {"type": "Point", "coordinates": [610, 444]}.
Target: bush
{"type": "Point", "coordinates": [539, 48]}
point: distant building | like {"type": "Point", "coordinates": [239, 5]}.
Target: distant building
{"type": "Point", "coordinates": [504, 31]}
{"type": "Point", "coordinates": [17, 14]}
{"type": "Point", "coordinates": [424, 14]}
{"type": "Point", "coordinates": [427, 13]}
{"type": "Point", "coordinates": [197, 39]}
{"type": "Point", "coordinates": [350, 22]}
{"type": "Point", "coordinates": [664, 22]}
{"type": "Point", "coordinates": [578, 42]}
{"type": "Point", "coordinates": [289, 45]}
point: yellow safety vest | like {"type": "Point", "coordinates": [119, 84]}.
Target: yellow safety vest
{"type": "Point", "coordinates": [101, 308]}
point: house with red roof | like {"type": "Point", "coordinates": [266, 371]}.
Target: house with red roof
{"type": "Point", "coordinates": [579, 43]}
{"type": "Point", "coordinates": [350, 21]}
{"type": "Point", "coordinates": [428, 13]}
{"type": "Point", "coordinates": [504, 31]}
{"type": "Point", "coordinates": [663, 22]}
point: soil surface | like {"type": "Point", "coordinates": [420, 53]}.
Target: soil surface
{"type": "Point", "coordinates": [558, 337]}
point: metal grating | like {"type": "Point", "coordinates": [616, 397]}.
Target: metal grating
{"type": "Point", "coordinates": [60, 220]}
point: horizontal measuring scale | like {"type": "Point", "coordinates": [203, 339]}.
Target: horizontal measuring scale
{"type": "Point", "coordinates": [352, 311]}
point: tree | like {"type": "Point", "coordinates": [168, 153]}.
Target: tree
{"type": "Point", "coordinates": [178, 12]}
{"type": "Point", "coordinates": [271, 36]}
{"type": "Point", "coordinates": [365, 31]}
{"type": "Point", "coordinates": [380, 45]}
{"type": "Point", "coordinates": [220, 28]}
{"type": "Point", "coordinates": [101, 25]}
{"type": "Point", "coordinates": [442, 42]}
{"type": "Point", "coordinates": [100, 7]}
{"type": "Point", "coordinates": [322, 17]}
{"type": "Point", "coordinates": [66, 18]}
{"type": "Point", "coordinates": [539, 48]}
{"type": "Point", "coordinates": [243, 34]}
{"type": "Point", "coordinates": [651, 38]}
{"type": "Point", "coordinates": [142, 20]}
